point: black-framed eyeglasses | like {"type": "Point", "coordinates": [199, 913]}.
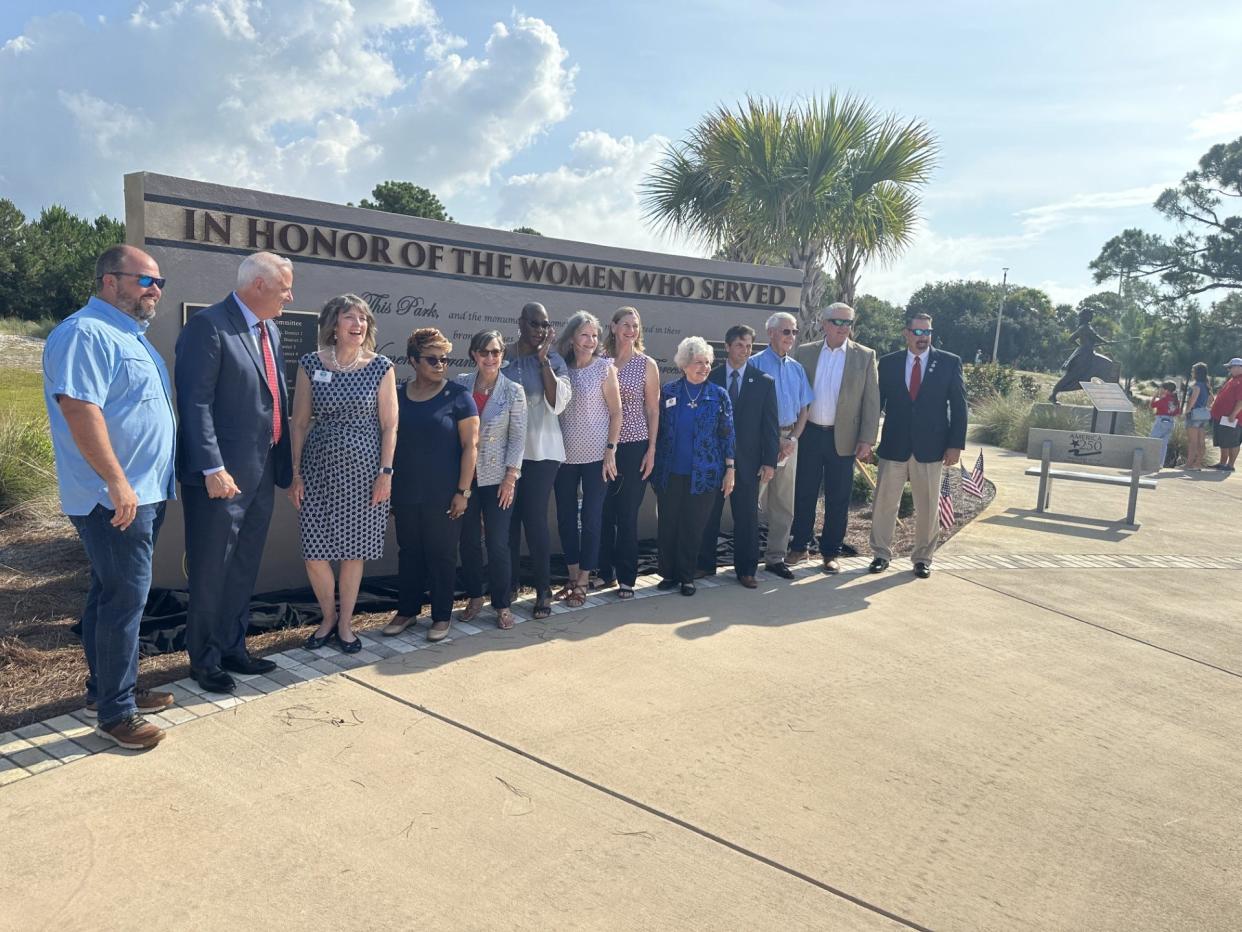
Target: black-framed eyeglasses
{"type": "Point", "coordinates": [839, 322]}
{"type": "Point", "coordinates": [434, 360]}
{"type": "Point", "coordinates": [920, 331]}
{"type": "Point", "coordinates": [490, 352]}
{"type": "Point", "coordinates": [790, 333]}
{"type": "Point", "coordinates": [146, 281]}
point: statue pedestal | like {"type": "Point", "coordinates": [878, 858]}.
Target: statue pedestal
{"type": "Point", "coordinates": [1083, 414]}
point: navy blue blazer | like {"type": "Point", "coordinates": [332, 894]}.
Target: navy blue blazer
{"type": "Point", "coordinates": [755, 422]}
{"type": "Point", "coordinates": [713, 440]}
{"type": "Point", "coordinates": [935, 422]}
{"type": "Point", "coordinates": [224, 404]}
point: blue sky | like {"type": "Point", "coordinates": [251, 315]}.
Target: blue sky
{"type": "Point", "coordinates": [1058, 122]}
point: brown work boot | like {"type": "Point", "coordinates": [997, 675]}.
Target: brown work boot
{"type": "Point", "coordinates": [134, 732]}
{"type": "Point", "coordinates": [147, 700]}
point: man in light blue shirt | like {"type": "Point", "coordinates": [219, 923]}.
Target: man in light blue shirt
{"type": "Point", "coordinates": [114, 435]}
{"type": "Point", "coordinates": [793, 399]}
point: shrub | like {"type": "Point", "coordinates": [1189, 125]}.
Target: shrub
{"type": "Point", "coordinates": [27, 466]}
{"type": "Point", "coordinates": [1006, 420]}
{"type": "Point", "coordinates": [862, 491]}
{"type": "Point", "coordinates": [1028, 387]}
{"type": "Point", "coordinates": [15, 326]}
{"type": "Point", "coordinates": [987, 379]}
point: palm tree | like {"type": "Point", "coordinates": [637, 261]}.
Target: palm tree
{"type": "Point", "coordinates": [827, 180]}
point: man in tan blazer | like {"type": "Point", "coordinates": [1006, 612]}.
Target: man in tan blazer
{"type": "Point", "coordinates": [842, 426]}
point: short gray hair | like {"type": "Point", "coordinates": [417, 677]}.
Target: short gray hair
{"type": "Point", "coordinates": [779, 318]}
{"type": "Point", "coordinates": [831, 310]}
{"type": "Point", "coordinates": [264, 265]}
{"type": "Point", "coordinates": [690, 349]}
{"type": "Point", "coordinates": [578, 320]}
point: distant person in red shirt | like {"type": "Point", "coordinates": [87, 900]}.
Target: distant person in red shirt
{"type": "Point", "coordinates": [1166, 407]}
{"type": "Point", "coordinates": [1226, 433]}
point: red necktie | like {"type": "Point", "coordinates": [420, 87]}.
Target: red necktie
{"type": "Point", "coordinates": [269, 368]}
{"type": "Point", "coordinates": [916, 380]}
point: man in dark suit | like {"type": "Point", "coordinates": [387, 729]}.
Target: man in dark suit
{"type": "Point", "coordinates": [753, 394]}
{"type": "Point", "coordinates": [841, 427]}
{"type": "Point", "coordinates": [923, 396]}
{"type": "Point", "coordinates": [233, 449]}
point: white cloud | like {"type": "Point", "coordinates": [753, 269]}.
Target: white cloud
{"type": "Point", "coordinates": [1221, 125]}
{"type": "Point", "coordinates": [322, 99]}
{"type": "Point", "coordinates": [1036, 221]}
{"type": "Point", "coordinates": [594, 197]}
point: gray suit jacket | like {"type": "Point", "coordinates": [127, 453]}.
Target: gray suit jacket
{"type": "Point", "coordinates": [502, 429]}
{"type": "Point", "coordinates": [858, 402]}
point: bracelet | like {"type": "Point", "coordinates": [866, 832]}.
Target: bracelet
{"type": "Point", "coordinates": [729, 466]}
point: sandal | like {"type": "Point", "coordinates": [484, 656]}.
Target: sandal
{"type": "Point", "coordinates": [504, 619]}
{"type": "Point", "coordinates": [577, 597]}
{"type": "Point", "coordinates": [564, 594]}
{"type": "Point", "coordinates": [472, 609]}
{"type": "Point", "coordinates": [540, 612]}
{"type": "Point", "coordinates": [624, 592]}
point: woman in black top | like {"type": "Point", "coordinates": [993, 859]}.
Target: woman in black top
{"type": "Point", "coordinates": [437, 436]}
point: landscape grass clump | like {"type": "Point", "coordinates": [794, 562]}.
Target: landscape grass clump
{"type": "Point", "coordinates": [1006, 420]}
{"type": "Point", "coordinates": [27, 465]}
{"type": "Point", "coordinates": [17, 327]}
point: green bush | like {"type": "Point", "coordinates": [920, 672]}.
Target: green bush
{"type": "Point", "coordinates": [1006, 420]}
{"type": "Point", "coordinates": [862, 492]}
{"type": "Point", "coordinates": [987, 379]}
{"type": "Point", "coordinates": [1028, 387]}
{"type": "Point", "coordinates": [27, 466]}
{"type": "Point", "coordinates": [15, 326]}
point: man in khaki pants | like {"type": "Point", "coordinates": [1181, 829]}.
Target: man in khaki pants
{"type": "Point", "coordinates": [841, 426]}
{"type": "Point", "coordinates": [924, 400]}
{"type": "Point", "coordinates": [793, 398]}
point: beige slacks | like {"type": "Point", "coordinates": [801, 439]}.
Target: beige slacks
{"type": "Point", "coordinates": [776, 506]}
{"type": "Point", "coordinates": [924, 479]}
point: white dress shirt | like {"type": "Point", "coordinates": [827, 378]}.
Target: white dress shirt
{"type": "Point", "coordinates": [828, 373]}
{"type": "Point", "coordinates": [922, 357]}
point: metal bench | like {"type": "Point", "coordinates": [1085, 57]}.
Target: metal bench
{"type": "Point", "coordinates": [1083, 448]}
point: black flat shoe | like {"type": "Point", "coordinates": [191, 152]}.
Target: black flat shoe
{"type": "Point", "coordinates": [314, 643]}
{"type": "Point", "coordinates": [214, 681]}
{"type": "Point", "coordinates": [687, 588]}
{"type": "Point", "coordinates": [247, 665]}
{"type": "Point", "coordinates": [350, 647]}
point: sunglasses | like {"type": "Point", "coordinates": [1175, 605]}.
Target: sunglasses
{"type": "Point", "coordinates": [838, 322]}
{"type": "Point", "coordinates": [146, 281]}
{"type": "Point", "coordinates": [790, 333]}
{"type": "Point", "coordinates": [544, 325]}
{"type": "Point", "coordinates": [920, 331]}
{"type": "Point", "coordinates": [490, 352]}
{"type": "Point", "coordinates": [434, 360]}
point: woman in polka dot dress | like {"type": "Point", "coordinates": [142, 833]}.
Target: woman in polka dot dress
{"type": "Point", "coordinates": [344, 432]}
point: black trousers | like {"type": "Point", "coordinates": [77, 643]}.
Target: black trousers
{"type": "Point", "coordinates": [530, 511]}
{"type": "Point", "coordinates": [679, 531]}
{"type": "Point", "coordinates": [744, 505]}
{"type": "Point", "coordinates": [618, 545]}
{"type": "Point", "coordinates": [486, 520]}
{"type": "Point", "coordinates": [427, 541]}
{"type": "Point", "coordinates": [224, 540]}
{"type": "Point", "coordinates": [821, 467]}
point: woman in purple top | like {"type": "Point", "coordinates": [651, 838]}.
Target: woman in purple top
{"type": "Point", "coordinates": [590, 427]}
{"type": "Point", "coordinates": [639, 382]}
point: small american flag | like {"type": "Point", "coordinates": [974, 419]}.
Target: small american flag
{"type": "Point", "coordinates": [972, 482]}
{"type": "Point", "coordinates": [946, 502]}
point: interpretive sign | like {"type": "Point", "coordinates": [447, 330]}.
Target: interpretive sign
{"type": "Point", "coordinates": [415, 273]}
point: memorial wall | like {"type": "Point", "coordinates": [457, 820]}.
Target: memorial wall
{"type": "Point", "coordinates": [414, 273]}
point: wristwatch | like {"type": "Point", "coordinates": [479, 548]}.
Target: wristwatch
{"type": "Point", "coordinates": [610, 446]}
{"type": "Point", "coordinates": [464, 493]}
{"type": "Point", "coordinates": [386, 470]}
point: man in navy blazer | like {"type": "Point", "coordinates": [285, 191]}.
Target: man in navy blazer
{"type": "Point", "coordinates": [923, 396]}
{"type": "Point", "coordinates": [753, 393]}
{"type": "Point", "coordinates": [233, 449]}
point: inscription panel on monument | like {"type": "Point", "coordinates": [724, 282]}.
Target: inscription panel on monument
{"type": "Point", "coordinates": [1108, 397]}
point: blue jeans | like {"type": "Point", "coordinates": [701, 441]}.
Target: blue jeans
{"type": "Point", "coordinates": [1162, 430]}
{"type": "Point", "coordinates": [120, 580]}
{"type": "Point", "coordinates": [581, 547]}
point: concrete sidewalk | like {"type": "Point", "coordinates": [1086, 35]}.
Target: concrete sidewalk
{"type": "Point", "coordinates": [1041, 736]}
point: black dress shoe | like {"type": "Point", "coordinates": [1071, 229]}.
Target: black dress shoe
{"type": "Point", "coordinates": [878, 565]}
{"type": "Point", "coordinates": [687, 588]}
{"type": "Point", "coordinates": [748, 581]}
{"type": "Point", "coordinates": [247, 665]}
{"type": "Point", "coordinates": [664, 585]}
{"type": "Point", "coordinates": [214, 681]}
{"type": "Point", "coordinates": [922, 570]}
{"type": "Point", "coordinates": [780, 569]}
{"type": "Point", "coordinates": [848, 550]}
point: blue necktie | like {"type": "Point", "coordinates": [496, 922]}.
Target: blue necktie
{"type": "Point", "coordinates": [733, 386]}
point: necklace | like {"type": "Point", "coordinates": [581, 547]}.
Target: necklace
{"type": "Point", "coordinates": [340, 366]}
{"type": "Point", "coordinates": [485, 391]}
{"type": "Point", "coordinates": [694, 402]}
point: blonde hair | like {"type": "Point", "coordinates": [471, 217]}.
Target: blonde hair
{"type": "Point", "coordinates": [610, 342]}
{"type": "Point", "coordinates": [330, 316]}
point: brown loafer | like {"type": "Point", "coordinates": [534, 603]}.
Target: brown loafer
{"type": "Point", "coordinates": [748, 581]}
{"type": "Point", "coordinates": [398, 624]}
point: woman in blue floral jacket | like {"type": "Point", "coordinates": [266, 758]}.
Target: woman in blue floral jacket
{"type": "Point", "coordinates": [694, 461]}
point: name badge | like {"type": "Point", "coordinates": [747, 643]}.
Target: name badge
{"type": "Point", "coordinates": [322, 375]}
{"type": "Point", "coordinates": [669, 402]}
